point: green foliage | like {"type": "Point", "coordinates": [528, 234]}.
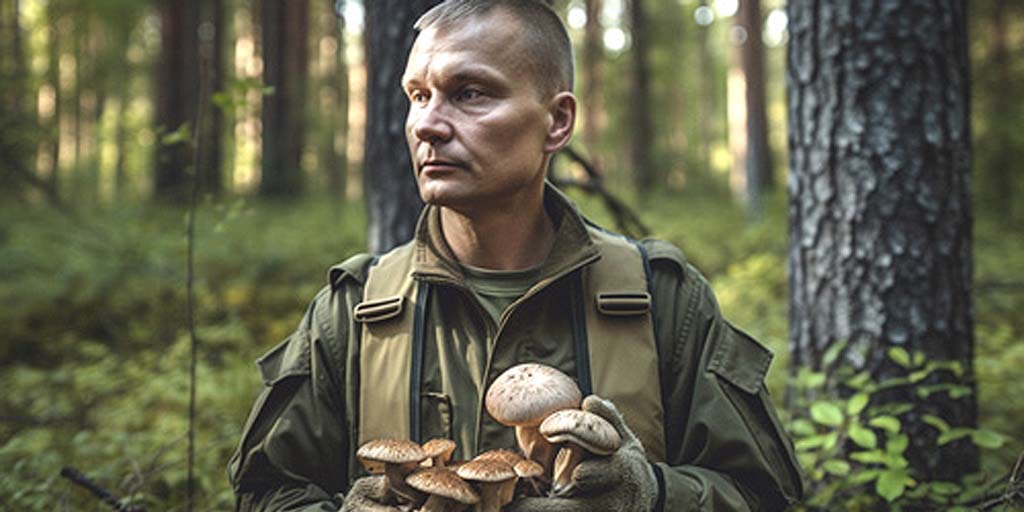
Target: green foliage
{"type": "Point", "coordinates": [854, 449]}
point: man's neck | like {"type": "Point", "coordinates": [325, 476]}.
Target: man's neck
{"type": "Point", "coordinates": [500, 240]}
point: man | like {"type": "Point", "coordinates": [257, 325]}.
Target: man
{"type": "Point", "coordinates": [503, 270]}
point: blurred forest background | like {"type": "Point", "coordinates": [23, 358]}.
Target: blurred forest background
{"type": "Point", "coordinates": [689, 116]}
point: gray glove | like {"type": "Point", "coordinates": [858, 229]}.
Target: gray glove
{"type": "Point", "coordinates": [368, 494]}
{"type": "Point", "coordinates": [622, 481]}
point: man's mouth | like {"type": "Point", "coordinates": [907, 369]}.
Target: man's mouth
{"type": "Point", "coordinates": [439, 166]}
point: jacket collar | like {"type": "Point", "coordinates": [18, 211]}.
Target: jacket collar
{"type": "Point", "coordinates": [573, 247]}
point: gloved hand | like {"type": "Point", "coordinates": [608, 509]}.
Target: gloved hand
{"type": "Point", "coordinates": [621, 481]}
{"type": "Point", "coordinates": [368, 494]}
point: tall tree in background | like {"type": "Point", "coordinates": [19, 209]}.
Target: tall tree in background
{"type": "Point", "coordinates": [392, 200]}
{"type": "Point", "coordinates": [285, 25]}
{"type": "Point", "coordinates": [593, 56]}
{"type": "Point", "coordinates": [642, 122]}
{"type": "Point", "coordinates": [177, 90]}
{"type": "Point", "coordinates": [334, 147]}
{"type": "Point", "coordinates": [758, 161]}
{"type": "Point", "coordinates": [880, 211]}
{"type": "Point", "coordinates": [15, 118]}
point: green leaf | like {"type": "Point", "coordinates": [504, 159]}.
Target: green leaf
{"type": "Point", "coordinates": [826, 413]}
{"type": "Point", "coordinates": [865, 476]}
{"type": "Point", "coordinates": [837, 467]}
{"type": "Point", "coordinates": [919, 375]}
{"type": "Point", "coordinates": [859, 381]}
{"type": "Point", "coordinates": [897, 444]}
{"type": "Point", "coordinates": [869, 457]}
{"type": "Point", "coordinates": [831, 440]}
{"type": "Point", "coordinates": [945, 488]}
{"type": "Point", "coordinates": [810, 443]}
{"type": "Point", "coordinates": [937, 422]}
{"type": "Point", "coordinates": [919, 358]}
{"type": "Point", "coordinates": [891, 484]}
{"type": "Point", "coordinates": [953, 434]}
{"type": "Point", "coordinates": [987, 438]}
{"type": "Point", "coordinates": [833, 352]}
{"type": "Point", "coordinates": [888, 423]}
{"type": "Point", "coordinates": [864, 437]}
{"type": "Point", "coordinates": [802, 427]}
{"type": "Point", "coordinates": [182, 134]}
{"type": "Point", "coordinates": [856, 404]}
{"type": "Point", "coordinates": [900, 356]}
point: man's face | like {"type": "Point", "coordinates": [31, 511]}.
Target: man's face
{"type": "Point", "coordinates": [477, 127]}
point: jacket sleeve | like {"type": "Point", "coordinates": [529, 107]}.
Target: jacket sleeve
{"type": "Point", "coordinates": [293, 452]}
{"type": "Point", "coordinates": [725, 447]}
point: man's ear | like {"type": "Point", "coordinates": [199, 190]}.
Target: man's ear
{"type": "Point", "coordinates": [562, 109]}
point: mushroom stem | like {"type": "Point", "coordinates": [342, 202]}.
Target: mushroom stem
{"type": "Point", "coordinates": [535, 447]}
{"type": "Point", "coordinates": [490, 497]}
{"type": "Point", "coordinates": [396, 474]}
{"type": "Point", "coordinates": [568, 458]}
{"type": "Point", "coordinates": [437, 503]}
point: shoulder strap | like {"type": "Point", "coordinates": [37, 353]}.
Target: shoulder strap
{"type": "Point", "coordinates": [392, 303]}
{"type": "Point", "coordinates": [617, 307]}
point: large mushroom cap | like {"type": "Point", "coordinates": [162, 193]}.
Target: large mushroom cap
{"type": "Point", "coordinates": [527, 393]}
{"type": "Point", "coordinates": [586, 429]}
{"type": "Point", "coordinates": [389, 451]}
{"type": "Point", "coordinates": [445, 483]}
{"type": "Point", "coordinates": [478, 470]}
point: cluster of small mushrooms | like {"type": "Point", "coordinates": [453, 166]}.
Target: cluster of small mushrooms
{"type": "Point", "coordinates": [553, 434]}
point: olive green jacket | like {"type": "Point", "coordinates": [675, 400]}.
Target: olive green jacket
{"type": "Point", "coordinates": [725, 448]}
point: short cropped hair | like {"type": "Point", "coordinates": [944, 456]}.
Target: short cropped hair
{"type": "Point", "coordinates": [545, 38]}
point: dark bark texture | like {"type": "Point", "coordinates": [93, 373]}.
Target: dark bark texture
{"type": "Point", "coordinates": [880, 211]}
{"type": "Point", "coordinates": [392, 199]}
{"type": "Point", "coordinates": [285, 27]}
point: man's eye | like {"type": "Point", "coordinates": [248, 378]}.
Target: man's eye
{"type": "Point", "coordinates": [469, 94]}
{"type": "Point", "coordinates": [418, 97]}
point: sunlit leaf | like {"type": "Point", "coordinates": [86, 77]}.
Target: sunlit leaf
{"type": "Point", "coordinates": [864, 437]}
{"type": "Point", "coordinates": [856, 404]}
{"type": "Point", "coordinates": [888, 423]}
{"type": "Point", "coordinates": [891, 484]}
{"type": "Point", "coordinates": [935, 421]}
{"type": "Point", "coordinates": [826, 413]}
{"type": "Point", "coordinates": [987, 438]}
{"type": "Point", "coordinates": [900, 356]}
{"type": "Point", "coordinates": [837, 467]}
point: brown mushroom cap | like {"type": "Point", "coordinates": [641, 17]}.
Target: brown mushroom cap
{"type": "Point", "coordinates": [390, 451]}
{"type": "Point", "coordinates": [586, 429]}
{"type": "Point", "coordinates": [445, 483]}
{"type": "Point", "coordinates": [507, 456]}
{"type": "Point", "coordinates": [527, 468]}
{"type": "Point", "coordinates": [439, 449]}
{"type": "Point", "coordinates": [527, 393]}
{"type": "Point", "coordinates": [486, 471]}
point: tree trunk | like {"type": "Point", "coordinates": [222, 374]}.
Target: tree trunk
{"type": "Point", "coordinates": [392, 200]}
{"type": "Point", "coordinates": [53, 77]}
{"type": "Point", "coordinates": [758, 159]}
{"type": "Point", "coordinates": [642, 141]}
{"type": "Point", "coordinates": [880, 211]}
{"type": "Point", "coordinates": [593, 57]}
{"type": "Point", "coordinates": [285, 66]}
{"type": "Point", "coordinates": [210, 162]}
{"type": "Point", "coordinates": [335, 144]}
{"type": "Point", "coordinates": [707, 107]}
{"type": "Point", "coordinates": [177, 91]}
{"type": "Point", "coordinates": [1002, 115]}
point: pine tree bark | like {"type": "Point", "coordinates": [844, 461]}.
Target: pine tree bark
{"type": "Point", "coordinates": [285, 68]}
{"type": "Point", "coordinates": [880, 211]}
{"type": "Point", "coordinates": [334, 147]}
{"type": "Point", "coordinates": [392, 199]}
{"type": "Point", "coordinates": [642, 141]}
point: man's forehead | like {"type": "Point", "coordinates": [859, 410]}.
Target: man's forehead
{"type": "Point", "coordinates": [491, 38]}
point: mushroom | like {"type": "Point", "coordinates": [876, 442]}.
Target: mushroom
{"type": "Point", "coordinates": [580, 433]}
{"type": "Point", "coordinates": [507, 456]}
{"type": "Point", "coordinates": [396, 459]}
{"type": "Point", "coordinates": [523, 396]}
{"type": "Point", "coordinates": [530, 471]}
{"type": "Point", "coordinates": [438, 452]}
{"type": "Point", "coordinates": [494, 478]}
{"type": "Point", "coordinates": [447, 492]}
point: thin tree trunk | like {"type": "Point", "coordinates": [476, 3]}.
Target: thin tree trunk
{"type": "Point", "coordinates": [53, 77]}
{"type": "Point", "coordinates": [593, 56]}
{"type": "Point", "coordinates": [392, 199]}
{"type": "Point", "coordinates": [1001, 114]}
{"type": "Point", "coordinates": [177, 88]}
{"type": "Point", "coordinates": [642, 141]}
{"type": "Point", "coordinates": [880, 207]}
{"type": "Point", "coordinates": [707, 107]}
{"type": "Point", "coordinates": [334, 147]}
{"type": "Point", "coordinates": [285, 68]}
{"type": "Point", "coordinates": [758, 159]}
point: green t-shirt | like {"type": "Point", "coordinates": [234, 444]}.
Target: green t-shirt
{"type": "Point", "coordinates": [498, 289]}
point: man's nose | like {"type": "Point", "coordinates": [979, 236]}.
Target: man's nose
{"type": "Point", "coordinates": [431, 124]}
